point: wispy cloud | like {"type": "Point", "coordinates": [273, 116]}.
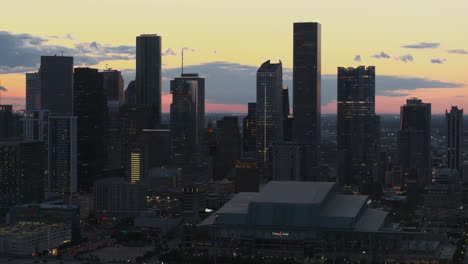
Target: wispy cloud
{"type": "Point", "coordinates": [169, 52]}
{"type": "Point", "coordinates": [438, 61]}
{"type": "Point", "coordinates": [458, 51]}
{"type": "Point", "coordinates": [405, 58]}
{"type": "Point", "coordinates": [381, 55]}
{"type": "Point", "coordinates": [357, 58]}
{"type": "Point", "coordinates": [422, 45]}
{"type": "Point", "coordinates": [2, 88]}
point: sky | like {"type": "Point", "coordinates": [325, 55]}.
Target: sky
{"type": "Point", "coordinates": [419, 47]}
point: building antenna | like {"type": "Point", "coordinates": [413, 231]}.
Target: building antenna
{"type": "Point", "coordinates": [182, 69]}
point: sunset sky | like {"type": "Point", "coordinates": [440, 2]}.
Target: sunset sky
{"type": "Point", "coordinates": [419, 48]}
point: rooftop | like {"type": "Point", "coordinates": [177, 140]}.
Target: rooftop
{"type": "Point", "coordinates": [239, 204]}
{"type": "Point", "coordinates": [294, 192]}
{"type": "Point", "coordinates": [343, 205]}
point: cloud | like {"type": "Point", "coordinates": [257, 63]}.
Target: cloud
{"type": "Point", "coordinates": [358, 58]}
{"type": "Point", "coordinates": [3, 89]}
{"type": "Point", "coordinates": [422, 45]}
{"type": "Point", "coordinates": [405, 58]}
{"type": "Point", "coordinates": [458, 51]}
{"type": "Point", "coordinates": [381, 55]}
{"type": "Point", "coordinates": [22, 52]}
{"type": "Point", "coordinates": [438, 61]}
{"type": "Point", "coordinates": [169, 52]}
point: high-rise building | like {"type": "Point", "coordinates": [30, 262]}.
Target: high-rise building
{"type": "Point", "coordinates": [56, 84]}
{"type": "Point", "coordinates": [228, 149]}
{"type": "Point", "coordinates": [414, 142]}
{"type": "Point", "coordinates": [113, 85]}
{"type": "Point", "coordinates": [33, 92]}
{"type": "Point", "coordinates": [269, 109]}
{"type": "Point", "coordinates": [187, 117]}
{"type": "Point", "coordinates": [62, 155]}
{"type": "Point", "coordinates": [137, 169]}
{"type": "Point", "coordinates": [36, 126]}
{"type": "Point", "coordinates": [22, 169]}
{"type": "Point", "coordinates": [357, 124]}
{"type": "Point", "coordinates": [113, 135]}
{"type": "Point", "coordinates": [249, 135]}
{"type": "Point", "coordinates": [90, 106]}
{"type": "Point", "coordinates": [7, 121]}
{"type": "Point", "coordinates": [133, 119]}
{"type": "Point", "coordinates": [148, 74]}
{"type": "Point", "coordinates": [454, 120]}
{"type": "Point", "coordinates": [307, 84]}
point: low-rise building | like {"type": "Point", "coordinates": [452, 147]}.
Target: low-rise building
{"type": "Point", "coordinates": [28, 238]}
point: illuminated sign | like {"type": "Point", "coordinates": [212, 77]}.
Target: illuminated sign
{"type": "Point", "coordinates": [280, 234]}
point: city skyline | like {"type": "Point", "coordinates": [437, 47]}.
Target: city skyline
{"type": "Point", "coordinates": [410, 59]}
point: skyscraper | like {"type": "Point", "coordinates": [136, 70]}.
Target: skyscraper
{"type": "Point", "coordinates": [249, 135]}
{"type": "Point", "coordinates": [187, 117]}
{"type": "Point", "coordinates": [56, 84]}
{"type": "Point", "coordinates": [414, 142]}
{"type": "Point", "coordinates": [90, 106]}
{"type": "Point", "coordinates": [33, 92]}
{"type": "Point", "coordinates": [289, 162]}
{"type": "Point", "coordinates": [113, 85]}
{"type": "Point", "coordinates": [287, 119]}
{"type": "Point", "coordinates": [307, 83]}
{"type": "Point", "coordinates": [137, 169]}
{"type": "Point", "coordinates": [357, 124]}
{"type": "Point", "coordinates": [130, 93]}
{"type": "Point", "coordinates": [148, 74]}
{"type": "Point", "coordinates": [228, 150]}
{"type": "Point", "coordinates": [269, 109]}
{"type": "Point", "coordinates": [62, 155]}
{"type": "Point", "coordinates": [454, 120]}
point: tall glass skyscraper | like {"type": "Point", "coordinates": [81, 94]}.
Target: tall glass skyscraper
{"type": "Point", "coordinates": [307, 83]}
{"type": "Point", "coordinates": [187, 117]}
{"type": "Point", "coordinates": [269, 109]}
{"type": "Point", "coordinates": [357, 125]}
{"type": "Point", "coordinates": [148, 73]}
{"type": "Point", "coordinates": [454, 120]}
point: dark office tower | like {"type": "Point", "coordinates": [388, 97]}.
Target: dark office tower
{"type": "Point", "coordinates": [33, 92]}
{"type": "Point", "coordinates": [130, 93]}
{"type": "Point", "coordinates": [90, 106]}
{"type": "Point", "coordinates": [249, 135]}
{"type": "Point", "coordinates": [7, 121]}
{"type": "Point", "coordinates": [113, 85]}
{"type": "Point", "coordinates": [414, 142]}
{"type": "Point", "coordinates": [133, 119]}
{"type": "Point", "coordinates": [56, 79]}
{"type": "Point", "coordinates": [357, 124]}
{"type": "Point", "coordinates": [22, 167]}
{"type": "Point", "coordinates": [187, 117]}
{"type": "Point", "coordinates": [148, 74]}
{"type": "Point", "coordinates": [269, 109]}
{"type": "Point", "coordinates": [307, 83]}
{"type": "Point", "coordinates": [228, 151]}
{"type": "Point", "coordinates": [455, 139]}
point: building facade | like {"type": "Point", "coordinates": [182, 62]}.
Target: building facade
{"type": "Point", "coordinates": [454, 122]}
{"type": "Point", "coordinates": [307, 84]}
{"type": "Point", "coordinates": [357, 124]}
{"type": "Point", "coordinates": [148, 74]}
{"type": "Point", "coordinates": [33, 92]}
{"type": "Point", "coordinates": [56, 84]}
{"type": "Point", "coordinates": [414, 142]}
{"type": "Point", "coordinates": [269, 110]}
